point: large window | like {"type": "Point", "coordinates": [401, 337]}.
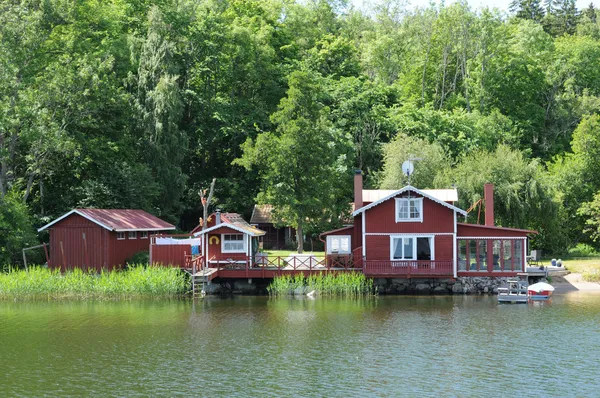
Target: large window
{"type": "Point", "coordinates": [233, 243]}
{"type": "Point", "coordinates": [409, 209]}
{"type": "Point", "coordinates": [506, 255]}
{"type": "Point", "coordinates": [462, 255]}
{"type": "Point", "coordinates": [338, 244]}
{"type": "Point", "coordinates": [411, 248]}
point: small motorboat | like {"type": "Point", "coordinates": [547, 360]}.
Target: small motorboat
{"type": "Point", "coordinates": [540, 291]}
{"type": "Point", "coordinates": [514, 292]}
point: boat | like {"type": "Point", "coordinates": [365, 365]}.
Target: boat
{"type": "Point", "coordinates": [540, 291]}
{"type": "Point", "coordinates": [514, 292]}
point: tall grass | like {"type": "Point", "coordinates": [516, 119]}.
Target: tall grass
{"type": "Point", "coordinates": [325, 284]}
{"type": "Point", "coordinates": [136, 281]}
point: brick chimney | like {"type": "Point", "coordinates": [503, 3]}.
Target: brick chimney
{"type": "Point", "coordinates": [488, 197]}
{"type": "Point", "coordinates": [358, 188]}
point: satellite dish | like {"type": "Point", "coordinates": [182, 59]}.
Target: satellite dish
{"type": "Point", "coordinates": [408, 168]}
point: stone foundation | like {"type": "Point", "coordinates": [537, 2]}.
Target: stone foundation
{"type": "Point", "coordinates": [461, 285]}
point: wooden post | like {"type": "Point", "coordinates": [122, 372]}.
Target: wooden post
{"type": "Point", "coordinates": [24, 259]}
{"type": "Point", "coordinates": [62, 250]}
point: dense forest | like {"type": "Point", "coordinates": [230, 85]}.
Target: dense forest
{"type": "Point", "coordinates": [140, 104]}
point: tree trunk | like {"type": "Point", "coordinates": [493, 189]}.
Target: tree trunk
{"type": "Point", "coordinates": [206, 203]}
{"type": "Point", "coordinates": [28, 189]}
{"type": "Point", "coordinates": [300, 236]}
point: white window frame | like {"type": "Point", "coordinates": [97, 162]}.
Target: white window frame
{"type": "Point", "coordinates": [120, 235]}
{"type": "Point", "coordinates": [144, 235]}
{"type": "Point", "coordinates": [244, 242]}
{"type": "Point", "coordinates": [331, 238]}
{"type": "Point", "coordinates": [132, 235]}
{"type": "Point", "coordinates": [409, 200]}
{"type": "Point", "coordinates": [414, 237]}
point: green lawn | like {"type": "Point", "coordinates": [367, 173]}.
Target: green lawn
{"type": "Point", "coordinates": [589, 268]}
{"type": "Point", "coordinates": [286, 253]}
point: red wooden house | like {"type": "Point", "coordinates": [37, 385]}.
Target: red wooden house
{"type": "Point", "coordinates": [100, 238]}
{"type": "Point", "coordinates": [412, 232]}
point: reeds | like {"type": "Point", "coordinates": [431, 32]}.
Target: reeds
{"type": "Point", "coordinates": [325, 284]}
{"type": "Point", "coordinates": [137, 281]}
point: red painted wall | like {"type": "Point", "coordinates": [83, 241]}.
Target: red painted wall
{"type": "Point", "coordinates": [436, 218]}
{"type": "Point", "coordinates": [121, 250]}
{"type": "Point", "coordinates": [76, 251]}
{"type": "Point", "coordinates": [99, 250]}
{"type": "Point", "coordinates": [378, 247]}
{"type": "Point", "coordinates": [214, 248]}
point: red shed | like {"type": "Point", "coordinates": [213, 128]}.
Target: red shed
{"type": "Point", "coordinates": [100, 238]}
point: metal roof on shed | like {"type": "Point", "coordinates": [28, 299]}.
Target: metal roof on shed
{"type": "Point", "coordinates": [119, 220]}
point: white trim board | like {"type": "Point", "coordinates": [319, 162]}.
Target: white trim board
{"type": "Point", "coordinates": [228, 225]}
{"type": "Point", "coordinates": [77, 212]}
{"type": "Point", "coordinates": [489, 237]}
{"type": "Point", "coordinates": [408, 233]}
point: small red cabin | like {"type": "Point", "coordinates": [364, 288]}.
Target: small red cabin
{"type": "Point", "coordinates": [228, 240]}
{"type": "Point", "coordinates": [100, 238]}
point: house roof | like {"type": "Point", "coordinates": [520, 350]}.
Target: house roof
{"type": "Point", "coordinates": [119, 220]}
{"type": "Point", "coordinates": [228, 219]}
{"type": "Point", "coordinates": [445, 195]}
{"type": "Point", "coordinates": [337, 230]}
{"type": "Point", "coordinates": [245, 229]}
{"type": "Point", "coordinates": [495, 228]}
{"type": "Point", "coordinates": [261, 214]}
{"type": "Point", "coordinates": [231, 220]}
{"type": "Point", "coordinates": [407, 189]}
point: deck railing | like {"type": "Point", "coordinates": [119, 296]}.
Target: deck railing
{"type": "Point", "coordinates": [408, 268]}
{"type": "Point", "coordinates": [309, 263]}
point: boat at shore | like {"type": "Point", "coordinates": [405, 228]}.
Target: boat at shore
{"type": "Point", "coordinates": [514, 292]}
{"type": "Point", "coordinates": [540, 291]}
{"type": "Point", "coordinates": [519, 291]}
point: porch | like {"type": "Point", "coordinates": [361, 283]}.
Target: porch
{"type": "Point", "coordinates": [270, 267]}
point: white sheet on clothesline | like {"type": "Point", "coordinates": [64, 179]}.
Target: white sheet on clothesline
{"type": "Point", "coordinates": [174, 241]}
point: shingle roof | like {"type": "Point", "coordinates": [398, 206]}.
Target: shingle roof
{"type": "Point", "coordinates": [261, 214]}
{"type": "Point", "coordinates": [119, 220]}
{"type": "Point", "coordinates": [233, 220]}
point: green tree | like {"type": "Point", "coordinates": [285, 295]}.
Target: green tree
{"type": "Point", "coordinates": [591, 212]}
{"type": "Point", "coordinates": [522, 197]}
{"type": "Point", "coordinates": [432, 159]}
{"type": "Point", "coordinates": [527, 9]}
{"type": "Point", "coordinates": [305, 163]}
{"type": "Point", "coordinates": [16, 230]}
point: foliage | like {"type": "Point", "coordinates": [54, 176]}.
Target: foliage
{"type": "Point", "coordinates": [432, 158]}
{"type": "Point", "coordinates": [521, 197]}
{"type": "Point", "coordinates": [52, 284]}
{"type": "Point", "coordinates": [140, 104]}
{"type": "Point", "coordinates": [591, 212]}
{"type": "Point", "coordinates": [304, 164]}
{"type": "Point", "coordinates": [16, 231]}
{"type": "Point", "coordinates": [348, 284]}
{"type": "Point", "coordinates": [583, 250]}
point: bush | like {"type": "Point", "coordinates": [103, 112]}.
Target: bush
{"type": "Point", "coordinates": [16, 231]}
{"type": "Point", "coordinates": [583, 250]}
{"type": "Point", "coordinates": [141, 258]}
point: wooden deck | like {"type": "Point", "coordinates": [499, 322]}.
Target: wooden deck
{"type": "Point", "coordinates": [271, 267]}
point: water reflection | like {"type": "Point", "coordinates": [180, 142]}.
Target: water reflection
{"type": "Point", "coordinates": [386, 346]}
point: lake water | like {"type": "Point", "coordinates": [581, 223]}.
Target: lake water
{"type": "Point", "coordinates": [256, 346]}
